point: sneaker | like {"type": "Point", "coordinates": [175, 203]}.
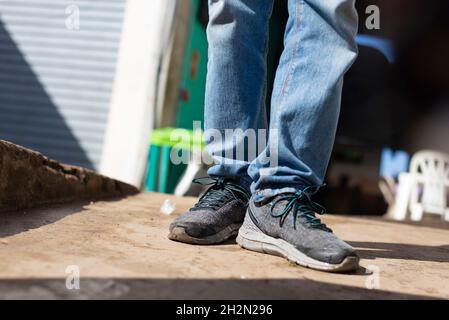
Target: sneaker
{"type": "Point", "coordinates": [216, 217]}
{"type": "Point", "coordinates": [286, 225]}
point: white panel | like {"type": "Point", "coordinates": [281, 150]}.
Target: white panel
{"type": "Point", "coordinates": [145, 32]}
{"type": "Point", "coordinates": [55, 80]}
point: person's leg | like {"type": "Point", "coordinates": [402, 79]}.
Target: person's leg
{"type": "Point", "coordinates": [236, 79]}
{"type": "Point", "coordinates": [319, 49]}
{"type": "Point", "coordinates": [235, 96]}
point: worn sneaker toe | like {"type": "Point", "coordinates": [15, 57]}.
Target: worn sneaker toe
{"type": "Point", "coordinates": [332, 255]}
{"type": "Point", "coordinates": [194, 229]}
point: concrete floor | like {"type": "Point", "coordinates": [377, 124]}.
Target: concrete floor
{"type": "Point", "coordinates": [122, 251]}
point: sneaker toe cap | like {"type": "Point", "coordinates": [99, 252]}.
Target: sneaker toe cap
{"type": "Point", "coordinates": [332, 255]}
{"type": "Point", "coordinates": [193, 229]}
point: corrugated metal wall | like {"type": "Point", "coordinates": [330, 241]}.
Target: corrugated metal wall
{"type": "Point", "coordinates": [56, 75]}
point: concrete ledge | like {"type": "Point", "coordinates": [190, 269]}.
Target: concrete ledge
{"type": "Point", "coordinates": [29, 180]}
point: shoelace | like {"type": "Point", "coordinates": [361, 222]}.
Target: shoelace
{"type": "Point", "coordinates": [301, 204]}
{"type": "Point", "coordinates": [220, 192]}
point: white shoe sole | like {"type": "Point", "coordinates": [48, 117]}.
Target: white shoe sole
{"type": "Point", "coordinates": [180, 234]}
{"type": "Point", "coordinates": [252, 238]}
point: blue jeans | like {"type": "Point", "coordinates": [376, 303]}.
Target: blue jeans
{"type": "Point", "coordinates": [319, 47]}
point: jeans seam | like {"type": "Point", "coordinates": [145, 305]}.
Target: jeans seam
{"type": "Point", "coordinates": [292, 62]}
{"type": "Point", "coordinates": [266, 48]}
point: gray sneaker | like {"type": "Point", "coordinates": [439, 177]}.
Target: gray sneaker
{"type": "Point", "coordinates": [287, 226]}
{"type": "Point", "coordinates": [216, 217]}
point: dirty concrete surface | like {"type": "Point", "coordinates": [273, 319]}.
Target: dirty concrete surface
{"type": "Point", "coordinates": [122, 251]}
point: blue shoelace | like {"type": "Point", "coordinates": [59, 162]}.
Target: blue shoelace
{"type": "Point", "coordinates": [301, 204]}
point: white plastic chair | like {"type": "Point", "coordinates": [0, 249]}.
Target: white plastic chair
{"type": "Point", "coordinates": [425, 188]}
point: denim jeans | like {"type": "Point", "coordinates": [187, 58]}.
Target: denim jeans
{"type": "Point", "coordinates": [319, 47]}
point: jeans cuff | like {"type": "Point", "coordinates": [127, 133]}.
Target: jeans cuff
{"type": "Point", "coordinates": [244, 182]}
{"type": "Point", "coordinates": [262, 195]}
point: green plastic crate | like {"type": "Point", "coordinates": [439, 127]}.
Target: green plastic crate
{"type": "Point", "coordinates": [163, 175]}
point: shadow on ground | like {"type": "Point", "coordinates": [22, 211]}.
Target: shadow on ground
{"type": "Point", "coordinates": [201, 289]}
{"type": "Point", "coordinates": [373, 250]}
{"type": "Point", "coordinates": [12, 223]}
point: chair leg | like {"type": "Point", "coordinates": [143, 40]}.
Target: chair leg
{"type": "Point", "coordinates": [164, 168]}
{"type": "Point", "coordinates": [186, 180]}
{"type": "Point", "coordinates": [153, 166]}
{"type": "Point", "coordinates": [417, 212]}
{"type": "Point", "coordinates": [446, 215]}
{"type": "Point", "coordinates": [402, 198]}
